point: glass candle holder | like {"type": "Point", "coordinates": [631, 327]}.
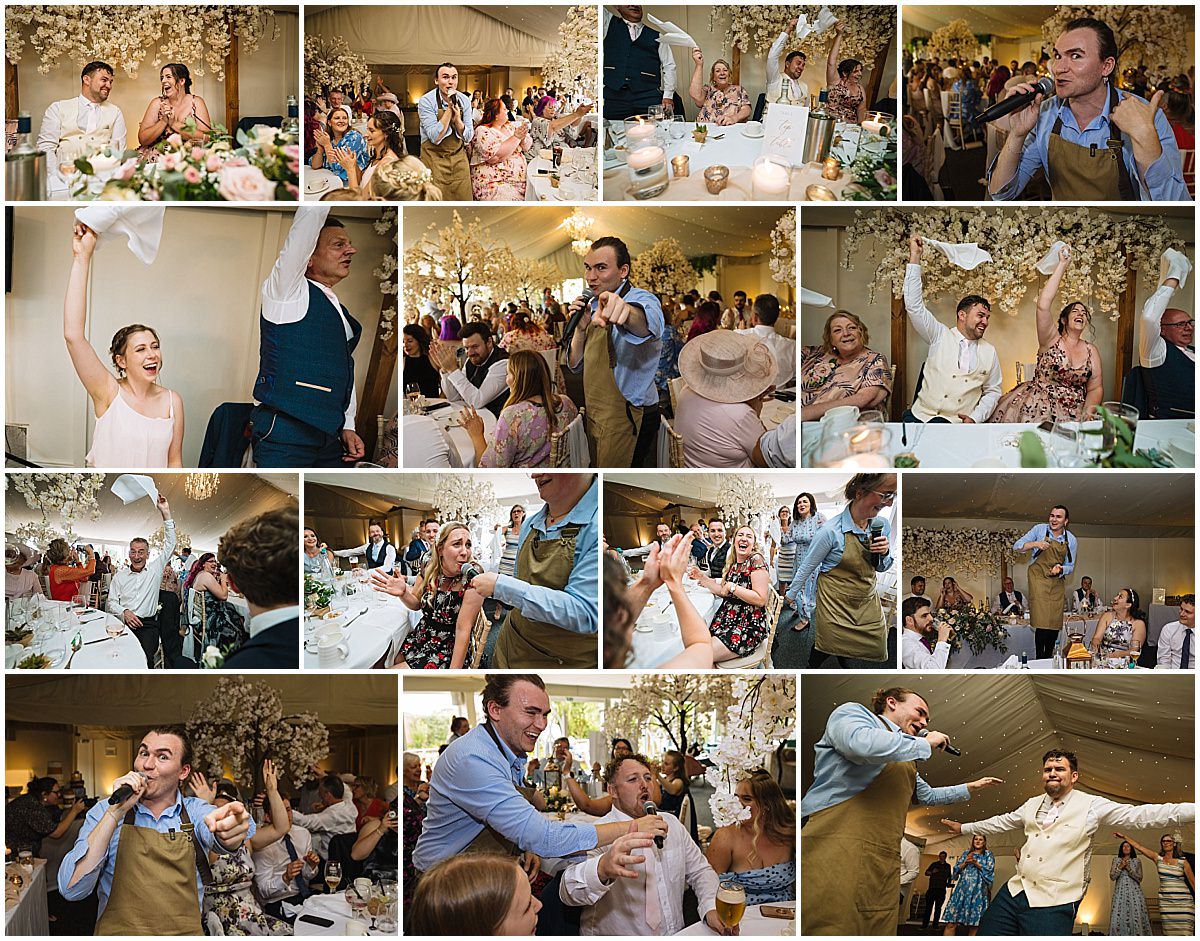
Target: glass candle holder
{"type": "Point", "coordinates": [716, 178]}
{"type": "Point", "coordinates": [647, 171]}
{"type": "Point", "coordinates": [771, 178]}
{"type": "Point", "coordinates": [639, 130]}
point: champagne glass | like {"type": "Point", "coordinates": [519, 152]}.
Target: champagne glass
{"type": "Point", "coordinates": [333, 875]}
{"type": "Point", "coordinates": [114, 627]}
{"type": "Point", "coordinates": [731, 903]}
{"type": "Point", "coordinates": [411, 391]}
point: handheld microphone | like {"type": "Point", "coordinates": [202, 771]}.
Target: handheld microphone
{"type": "Point", "coordinates": [123, 793]}
{"type": "Point", "coordinates": [652, 811]}
{"type": "Point", "coordinates": [948, 749]}
{"type": "Point", "coordinates": [469, 571]}
{"type": "Point", "coordinates": [876, 533]}
{"type": "Point", "coordinates": [1043, 86]}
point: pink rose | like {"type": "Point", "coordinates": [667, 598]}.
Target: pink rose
{"type": "Point", "coordinates": [168, 162]}
{"type": "Point", "coordinates": [192, 175]}
{"type": "Point", "coordinates": [175, 140]}
{"type": "Point", "coordinates": [884, 178]}
{"type": "Point", "coordinates": [293, 166]}
{"type": "Point", "coordinates": [237, 162]}
{"type": "Point", "coordinates": [213, 163]}
{"type": "Point", "coordinates": [197, 154]}
{"type": "Point", "coordinates": [128, 170]}
{"type": "Point", "coordinates": [291, 151]}
{"type": "Point", "coordinates": [244, 184]}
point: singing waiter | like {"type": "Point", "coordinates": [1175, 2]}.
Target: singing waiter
{"type": "Point", "coordinates": [446, 130]}
{"type": "Point", "coordinates": [378, 551]}
{"type": "Point", "coordinates": [1093, 142]}
{"type": "Point", "coordinates": [639, 68]}
{"type": "Point", "coordinates": [146, 856]}
{"type": "Point", "coordinates": [1054, 554]}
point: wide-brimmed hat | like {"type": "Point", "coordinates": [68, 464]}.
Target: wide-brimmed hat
{"type": "Point", "coordinates": [16, 550]}
{"type": "Point", "coordinates": [727, 367]}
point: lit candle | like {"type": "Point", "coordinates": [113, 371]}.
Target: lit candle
{"type": "Point", "coordinates": [861, 462]}
{"type": "Point", "coordinates": [770, 180]}
{"type": "Point", "coordinates": [640, 133]}
{"type": "Point", "coordinates": [645, 157]}
{"type": "Point", "coordinates": [877, 127]}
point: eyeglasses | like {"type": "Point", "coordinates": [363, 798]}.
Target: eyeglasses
{"type": "Point", "coordinates": [1180, 323]}
{"type": "Point", "coordinates": [886, 496]}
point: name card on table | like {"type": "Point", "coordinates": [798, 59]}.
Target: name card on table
{"type": "Point", "coordinates": [784, 129]}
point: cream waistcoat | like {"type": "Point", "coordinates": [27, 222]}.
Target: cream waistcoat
{"type": "Point", "coordinates": [948, 391]}
{"type": "Point", "coordinates": [1055, 864]}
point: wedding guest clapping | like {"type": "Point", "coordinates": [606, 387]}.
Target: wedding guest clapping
{"type": "Point", "coordinates": [385, 144]}
{"type": "Point", "coordinates": [139, 423]}
{"type": "Point", "coordinates": [175, 111]}
{"type": "Point", "coordinates": [1176, 884]}
{"type": "Point", "coordinates": [842, 370]}
{"type": "Point", "coordinates": [760, 851]}
{"type": "Point", "coordinates": [740, 624]}
{"type": "Point", "coordinates": [720, 101]}
{"type": "Point", "coordinates": [498, 165]}
{"type": "Point", "coordinates": [974, 872]}
{"type": "Point", "coordinates": [1121, 632]}
{"type": "Point", "coordinates": [1128, 915]}
{"type": "Point", "coordinates": [340, 146]}
{"type": "Point", "coordinates": [482, 381]}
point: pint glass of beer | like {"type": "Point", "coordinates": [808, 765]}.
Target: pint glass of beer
{"type": "Point", "coordinates": [731, 903]}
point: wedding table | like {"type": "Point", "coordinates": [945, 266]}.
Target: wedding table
{"type": "Point", "coordinates": [575, 183]}
{"type": "Point", "coordinates": [97, 652]}
{"type": "Point", "coordinates": [994, 445]}
{"type": "Point", "coordinates": [336, 909]}
{"type": "Point", "coordinates": [753, 924]}
{"type": "Point", "coordinates": [656, 636]}
{"type": "Point", "coordinates": [382, 627]}
{"type": "Point", "coordinates": [446, 415]}
{"type": "Point", "coordinates": [573, 816]}
{"type": "Point", "coordinates": [733, 147]}
{"type": "Point", "coordinates": [29, 915]}
{"type": "Point", "coordinates": [775, 411]}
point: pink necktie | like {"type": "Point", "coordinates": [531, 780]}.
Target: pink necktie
{"type": "Point", "coordinates": [653, 906]}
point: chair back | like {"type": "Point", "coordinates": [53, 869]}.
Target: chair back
{"type": "Point", "coordinates": [1188, 159]}
{"type": "Point", "coordinates": [479, 635]}
{"type": "Point", "coordinates": [670, 445]}
{"type": "Point", "coordinates": [685, 812]}
{"type": "Point", "coordinates": [1025, 371]}
{"type": "Point", "coordinates": [674, 387]}
{"type": "Point", "coordinates": [760, 657]}
{"type": "Point", "coordinates": [568, 448]}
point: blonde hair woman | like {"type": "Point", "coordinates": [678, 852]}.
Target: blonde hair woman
{"type": "Point", "coordinates": [720, 101]}
{"type": "Point", "coordinates": [442, 638]}
{"type": "Point", "coordinates": [760, 851]}
{"type": "Point", "coordinates": [740, 624]}
{"type": "Point", "coordinates": [475, 894]}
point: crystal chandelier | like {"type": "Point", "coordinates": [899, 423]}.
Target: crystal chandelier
{"type": "Point", "coordinates": [201, 486]}
{"type": "Point", "coordinates": [459, 497]}
{"type": "Point", "coordinates": [578, 226]}
{"type": "Point", "coordinates": [159, 537]}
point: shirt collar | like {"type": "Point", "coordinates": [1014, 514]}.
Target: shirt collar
{"type": "Point", "coordinates": [1068, 116]}
{"type": "Point", "coordinates": [846, 522]}
{"type": "Point", "coordinates": [958, 335]}
{"type": "Point", "coordinates": [172, 811]}
{"type": "Point", "coordinates": [260, 622]}
{"type": "Point", "coordinates": [582, 512]}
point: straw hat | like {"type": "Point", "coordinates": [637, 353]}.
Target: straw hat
{"type": "Point", "coordinates": [727, 367]}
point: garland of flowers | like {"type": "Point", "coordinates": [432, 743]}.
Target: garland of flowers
{"type": "Point", "coordinates": [663, 268]}
{"type": "Point", "coordinates": [753, 28]}
{"type": "Point", "coordinates": [953, 41]}
{"type": "Point", "coordinates": [128, 36]}
{"type": "Point", "coordinates": [331, 63]}
{"type": "Point", "coordinates": [1146, 34]}
{"type": "Point", "coordinates": [389, 285]}
{"type": "Point", "coordinates": [1104, 246]}
{"type": "Point", "coordinates": [70, 496]}
{"type": "Point", "coordinates": [980, 629]}
{"type": "Point", "coordinates": [572, 66]}
{"type": "Point", "coordinates": [964, 552]}
{"type": "Point", "coordinates": [783, 249]}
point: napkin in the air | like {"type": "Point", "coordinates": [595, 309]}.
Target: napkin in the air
{"type": "Point", "coordinates": [130, 487]}
{"type": "Point", "coordinates": [140, 225]}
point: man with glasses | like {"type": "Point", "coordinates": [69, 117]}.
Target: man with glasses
{"type": "Point", "coordinates": [1166, 347]}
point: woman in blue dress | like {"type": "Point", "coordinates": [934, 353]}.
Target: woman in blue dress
{"type": "Point", "coordinates": [806, 523]}
{"type": "Point", "coordinates": [1129, 915]}
{"type": "Point", "coordinates": [760, 851]}
{"type": "Point", "coordinates": [975, 870]}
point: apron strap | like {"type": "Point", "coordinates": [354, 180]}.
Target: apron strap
{"type": "Point", "coordinates": [492, 732]}
{"type": "Point", "coordinates": [202, 866]}
{"type": "Point", "coordinates": [1126, 184]}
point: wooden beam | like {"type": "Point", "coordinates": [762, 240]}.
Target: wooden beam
{"type": "Point", "coordinates": [899, 354]}
{"type": "Point", "coordinates": [233, 112]}
{"type": "Point", "coordinates": [735, 66]}
{"type": "Point", "coordinates": [877, 70]}
{"type": "Point", "coordinates": [381, 377]}
{"type": "Point", "coordinates": [1126, 314]}
{"type": "Point", "coordinates": [12, 97]}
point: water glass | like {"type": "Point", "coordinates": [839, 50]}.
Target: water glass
{"type": "Point", "coordinates": [677, 127]}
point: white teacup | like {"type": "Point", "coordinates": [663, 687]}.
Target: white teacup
{"type": "Point", "coordinates": [332, 648]}
{"type": "Point", "coordinates": [1183, 451]}
{"type": "Point", "coordinates": [841, 417]}
{"type": "Point", "coordinates": [754, 128]}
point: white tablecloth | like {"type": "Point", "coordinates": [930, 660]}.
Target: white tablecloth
{"type": "Point", "coordinates": [96, 654]}
{"type": "Point", "coordinates": [333, 907]}
{"type": "Point", "coordinates": [30, 916]}
{"type": "Point", "coordinates": [753, 924]}
{"type": "Point", "coordinates": [656, 636]}
{"type": "Point", "coordinates": [458, 437]}
{"type": "Point", "coordinates": [383, 626]}
{"type": "Point", "coordinates": [539, 188]}
{"type": "Point", "coordinates": [985, 445]}
{"type": "Point", "coordinates": [775, 411]}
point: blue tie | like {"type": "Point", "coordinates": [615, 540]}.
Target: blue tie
{"type": "Point", "coordinates": [1186, 656]}
{"type": "Point", "coordinates": [301, 886]}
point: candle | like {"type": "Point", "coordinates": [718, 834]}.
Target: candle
{"type": "Point", "coordinates": [861, 462]}
{"type": "Point", "coordinates": [832, 170]}
{"type": "Point", "coordinates": [640, 133]}
{"type": "Point", "coordinates": [770, 180]}
{"type": "Point", "coordinates": [645, 157]}
{"type": "Point", "coordinates": [716, 178]}
{"type": "Point", "coordinates": [877, 127]}
{"type": "Point", "coordinates": [679, 165]}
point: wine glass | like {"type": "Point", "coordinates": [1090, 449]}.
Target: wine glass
{"type": "Point", "coordinates": [1062, 445]}
{"type": "Point", "coordinates": [1097, 440]}
{"type": "Point", "coordinates": [114, 627]}
{"type": "Point", "coordinates": [677, 128]}
{"type": "Point", "coordinates": [657, 112]}
{"type": "Point", "coordinates": [411, 391]}
{"type": "Point", "coordinates": [333, 875]}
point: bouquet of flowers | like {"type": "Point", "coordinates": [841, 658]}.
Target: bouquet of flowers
{"type": "Point", "coordinates": [874, 172]}
{"type": "Point", "coordinates": [317, 593]}
{"type": "Point", "coordinates": [557, 800]}
{"type": "Point", "coordinates": [980, 629]}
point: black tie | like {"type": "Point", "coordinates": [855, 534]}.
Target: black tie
{"type": "Point", "coordinates": [301, 886]}
{"type": "Point", "coordinates": [1186, 655]}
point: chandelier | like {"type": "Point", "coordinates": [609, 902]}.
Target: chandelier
{"type": "Point", "coordinates": [201, 486]}
{"type": "Point", "coordinates": [578, 226]}
{"type": "Point", "coordinates": [459, 497]}
{"type": "Point", "coordinates": [159, 537]}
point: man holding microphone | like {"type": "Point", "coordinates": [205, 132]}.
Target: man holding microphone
{"type": "Point", "coordinates": [147, 852]}
{"type": "Point", "coordinates": [864, 779]}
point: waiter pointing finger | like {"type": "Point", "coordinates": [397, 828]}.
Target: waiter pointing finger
{"type": "Point", "coordinates": [147, 855]}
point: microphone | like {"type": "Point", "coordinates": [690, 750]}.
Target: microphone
{"type": "Point", "coordinates": [652, 811]}
{"type": "Point", "coordinates": [1043, 86]}
{"type": "Point", "coordinates": [949, 749]}
{"type": "Point", "coordinates": [876, 533]}
{"type": "Point", "coordinates": [123, 793]}
{"type": "Point", "coordinates": [469, 571]}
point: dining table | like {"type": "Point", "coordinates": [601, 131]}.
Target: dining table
{"type": "Point", "coordinates": [754, 924]}
{"type": "Point", "coordinates": [656, 634]}
{"type": "Point", "coordinates": [375, 625]}
{"type": "Point", "coordinates": [26, 909]}
{"type": "Point", "coordinates": [99, 650]}
{"type": "Point", "coordinates": [445, 414]}
{"type": "Point", "coordinates": [333, 908]}
{"type": "Point", "coordinates": [576, 176]}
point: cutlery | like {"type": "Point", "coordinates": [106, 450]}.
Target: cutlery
{"type": "Point", "coordinates": [103, 639]}
{"type": "Point", "coordinates": [76, 643]}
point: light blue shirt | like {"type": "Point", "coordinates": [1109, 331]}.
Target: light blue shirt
{"type": "Point", "coordinates": [573, 608]}
{"type": "Point", "coordinates": [431, 125]}
{"type": "Point", "coordinates": [826, 550]}
{"type": "Point", "coordinates": [1163, 179]}
{"type": "Point", "coordinates": [855, 747]}
{"type": "Point", "coordinates": [171, 820]}
{"type": "Point", "coordinates": [1042, 532]}
{"type": "Point", "coordinates": [637, 357]}
{"type": "Point", "coordinates": [474, 783]}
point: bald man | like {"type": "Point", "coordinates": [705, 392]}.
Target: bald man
{"type": "Point", "coordinates": [1166, 347]}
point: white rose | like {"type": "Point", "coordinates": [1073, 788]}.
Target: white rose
{"type": "Point", "coordinates": [245, 184]}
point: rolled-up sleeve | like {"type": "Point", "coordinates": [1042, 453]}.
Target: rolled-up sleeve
{"type": "Point", "coordinates": [87, 883]}
{"type": "Point", "coordinates": [931, 796]}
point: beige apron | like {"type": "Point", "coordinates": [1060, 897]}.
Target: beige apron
{"type": "Point", "coordinates": [850, 857]}
{"type": "Point", "coordinates": [612, 424]}
{"type": "Point", "coordinates": [525, 643]}
{"type": "Point", "coordinates": [1088, 174]}
{"type": "Point", "coordinates": [449, 165]}
{"type": "Point", "coordinates": [154, 883]}
{"type": "Point", "coordinates": [848, 618]}
{"type": "Point", "coordinates": [1047, 593]}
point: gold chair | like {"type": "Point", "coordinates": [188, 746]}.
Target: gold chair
{"type": "Point", "coordinates": [479, 636]}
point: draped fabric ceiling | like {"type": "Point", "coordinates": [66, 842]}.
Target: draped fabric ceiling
{"type": "Point", "coordinates": [374, 494]}
{"type": "Point", "coordinates": [429, 34]}
{"type": "Point", "coordinates": [642, 494]}
{"type": "Point", "coordinates": [1009, 22]}
{"type": "Point", "coordinates": [131, 701]}
{"type": "Point", "coordinates": [239, 496]}
{"type": "Point", "coordinates": [1116, 503]}
{"type": "Point", "coordinates": [1134, 737]}
{"type": "Point", "coordinates": [536, 231]}
{"type": "Point", "coordinates": [558, 685]}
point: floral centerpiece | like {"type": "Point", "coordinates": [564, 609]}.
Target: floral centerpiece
{"type": "Point", "coordinates": [954, 41]}
{"type": "Point", "coordinates": [783, 249]}
{"type": "Point", "coordinates": [557, 800]}
{"type": "Point", "coordinates": [663, 268]}
{"type": "Point", "coordinates": [874, 172]}
{"type": "Point", "coordinates": [980, 629]}
{"type": "Point", "coordinates": [317, 594]}
{"type": "Point", "coordinates": [572, 65]}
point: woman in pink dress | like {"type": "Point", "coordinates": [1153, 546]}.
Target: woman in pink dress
{"type": "Point", "coordinates": [498, 165]}
{"type": "Point", "coordinates": [720, 102]}
{"type": "Point", "coordinates": [1067, 384]}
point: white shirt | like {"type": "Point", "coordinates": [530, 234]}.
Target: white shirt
{"type": "Point", "coordinates": [783, 348]}
{"type": "Point", "coordinates": [1102, 813]}
{"type": "Point", "coordinates": [335, 819]}
{"type": "Point", "coordinates": [935, 333]}
{"type": "Point", "coordinates": [285, 292]}
{"type": "Point", "coordinates": [138, 591]}
{"type": "Point", "coordinates": [620, 908]}
{"type": "Point", "coordinates": [1152, 347]}
{"type": "Point", "coordinates": [797, 90]}
{"type": "Point", "coordinates": [269, 864]}
{"type": "Point", "coordinates": [778, 445]}
{"type": "Point", "coordinates": [666, 58]}
{"type": "Point", "coordinates": [916, 656]}
{"type": "Point", "coordinates": [389, 554]}
{"type": "Point", "coordinates": [641, 550]}
{"type": "Point", "coordinates": [1007, 600]}
{"type": "Point", "coordinates": [458, 388]}
{"type": "Point", "coordinates": [1170, 647]}
{"type": "Point", "coordinates": [51, 129]}
{"type": "Point", "coordinates": [260, 622]}
{"type": "Point", "coordinates": [910, 862]}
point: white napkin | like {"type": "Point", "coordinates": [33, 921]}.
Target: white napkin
{"type": "Point", "coordinates": [141, 225]}
{"type": "Point", "coordinates": [130, 487]}
{"type": "Point", "coordinates": [1050, 260]}
{"type": "Point", "coordinates": [813, 299]}
{"type": "Point", "coordinates": [967, 255]}
{"type": "Point", "coordinates": [803, 29]}
{"type": "Point", "coordinates": [670, 34]}
{"type": "Point", "coordinates": [1177, 266]}
{"type": "Point", "coordinates": [1012, 663]}
{"type": "Point", "coordinates": [825, 21]}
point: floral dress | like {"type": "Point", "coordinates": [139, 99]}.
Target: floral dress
{"type": "Point", "coordinates": [497, 181]}
{"type": "Point", "coordinates": [223, 623]}
{"type": "Point", "coordinates": [1117, 636]}
{"type": "Point", "coordinates": [844, 103]}
{"type": "Point", "coordinates": [1056, 392]}
{"type": "Point", "coordinates": [739, 625]}
{"type": "Point", "coordinates": [353, 142]}
{"type": "Point", "coordinates": [430, 644]}
{"type": "Point", "coordinates": [231, 898]}
{"type": "Point", "coordinates": [722, 103]}
{"type": "Point", "coordinates": [823, 379]}
{"type": "Point", "coordinates": [1129, 915]}
{"type": "Point", "coordinates": [536, 341]}
{"type": "Point", "coordinates": [522, 435]}
{"type": "Point", "coordinates": [971, 891]}
{"type": "Point", "coordinates": [668, 359]}
{"type": "Point", "coordinates": [803, 532]}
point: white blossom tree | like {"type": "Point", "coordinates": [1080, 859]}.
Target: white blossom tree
{"type": "Point", "coordinates": [1146, 34]}
{"type": "Point", "coordinates": [663, 268]}
{"type": "Point", "coordinates": [459, 260]}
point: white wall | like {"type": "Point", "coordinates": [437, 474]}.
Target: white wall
{"type": "Point", "coordinates": [1014, 337]}
{"type": "Point", "coordinates": [201, 295]}
{"type": "Point", "coordinates": [266, 78]}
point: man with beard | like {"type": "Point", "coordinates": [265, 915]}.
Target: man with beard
{"type": "Point", "coordinates": [80, 126]}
